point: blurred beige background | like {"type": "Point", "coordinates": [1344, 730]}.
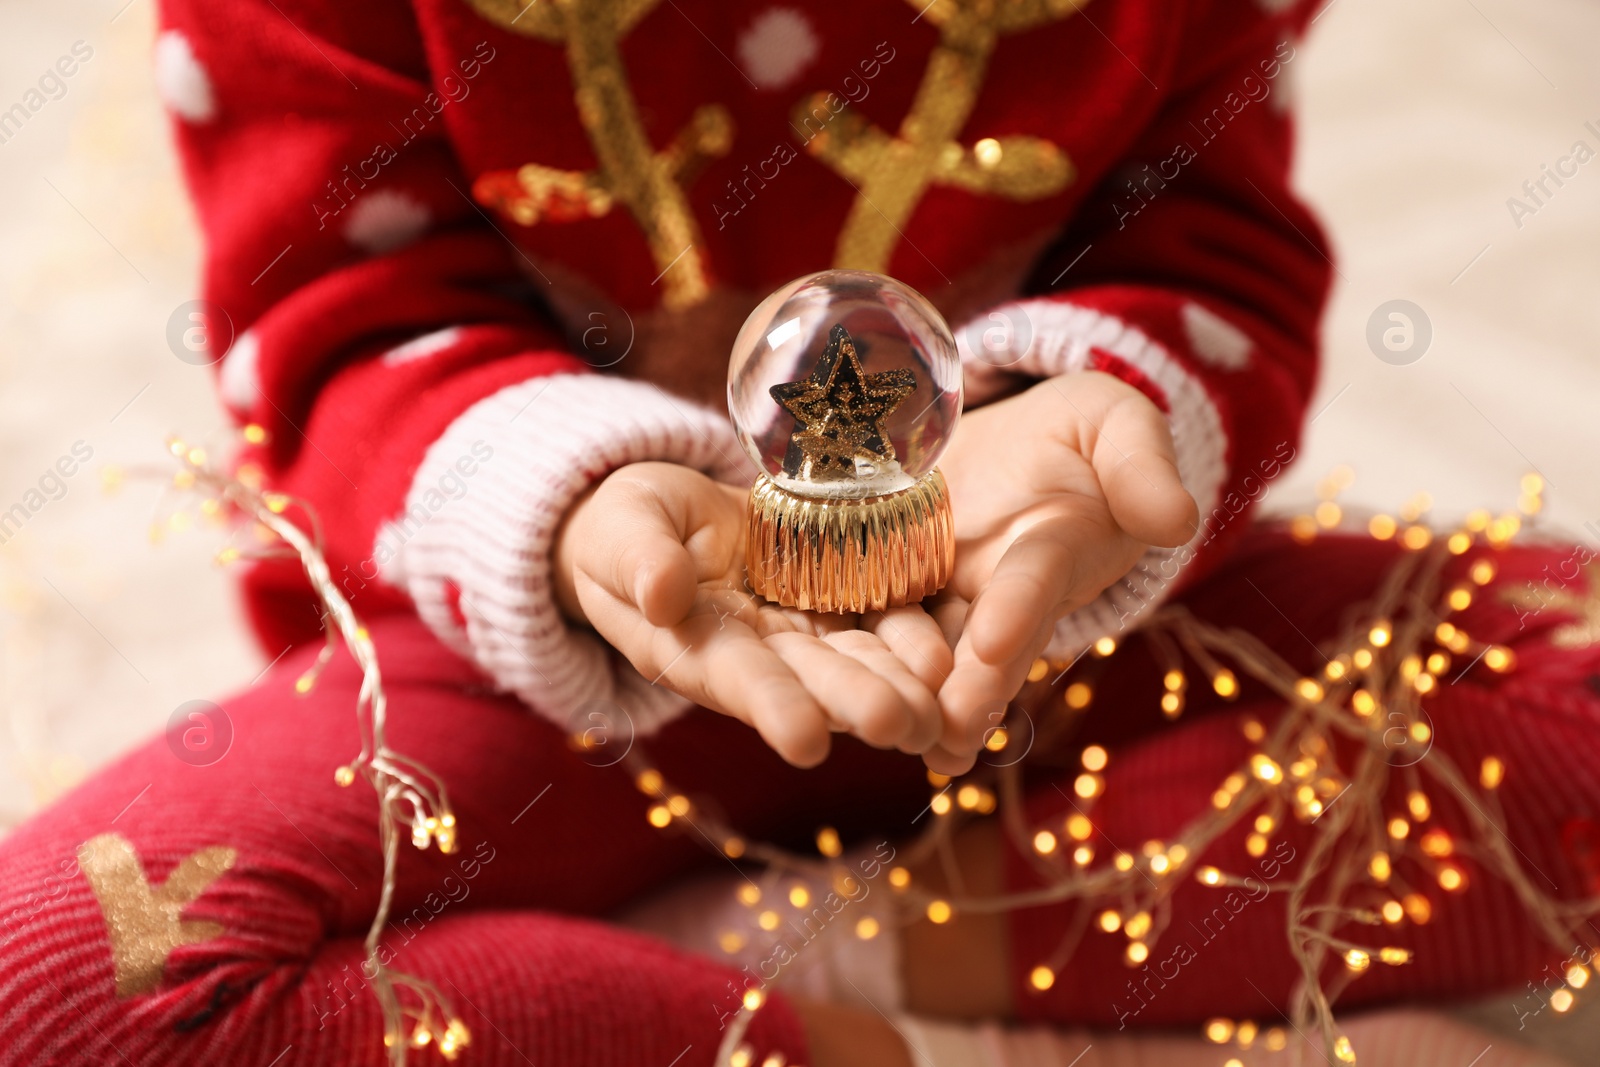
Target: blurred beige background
{"type": "Point", "coordinates": [1418, 121]}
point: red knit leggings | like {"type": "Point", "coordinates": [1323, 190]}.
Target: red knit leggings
{"type": "Point", "coordinates": [166, 913]}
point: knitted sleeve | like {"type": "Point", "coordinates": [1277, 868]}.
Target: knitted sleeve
{"type": "Point", "coordinates": [392, 347]}
{"type": "Point", "coordinates": [1195, 274]}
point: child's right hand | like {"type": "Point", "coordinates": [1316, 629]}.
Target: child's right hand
{"type": "Point", "coordinates": [653, 559]}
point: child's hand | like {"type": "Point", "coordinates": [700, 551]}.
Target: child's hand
{"type": "Point", "coordinates": [653, 559]}
{"type": "Point", "coordinates": [1057, 493]}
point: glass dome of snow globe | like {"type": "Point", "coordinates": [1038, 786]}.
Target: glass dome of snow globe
{"type": "Point", "coordinates": [845, 384]}
{"type": "Point", "coordinates": [844, 387]}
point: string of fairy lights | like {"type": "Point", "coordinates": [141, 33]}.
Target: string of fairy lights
{"type": "Point", "coordinates": [412, 802]}
{"type": "Point", "coordinates": [1373, 862]}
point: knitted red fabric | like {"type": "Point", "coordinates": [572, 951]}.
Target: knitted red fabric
{"type": "Point", "coordinates": [546, 835]}
{"type": "Point", "coordinates": [339, 155]}
{"type": "Point", "coordinates": [348, 162]}
{"type": "Point", "coordinates": [1224, 953]}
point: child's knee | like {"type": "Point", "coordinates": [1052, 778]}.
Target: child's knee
{"type": "Point", "coordinates": [166, 927]}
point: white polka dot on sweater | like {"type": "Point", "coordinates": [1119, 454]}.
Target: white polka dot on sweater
{"type": "Point", "coordinates": [240, 380]}
{"type": "Point", "coordinates": [1273, 7]}
{"type": "Point", "coordinates": [422, 347]}
{"type": "Point", "coordinates": [776, 47]}
{"type": "Point", "coordinates": [181, 82]}
{"type": "Point", "coordinates": [1216, 341]}
{"type": "Point", "coordinates": [385, 220]}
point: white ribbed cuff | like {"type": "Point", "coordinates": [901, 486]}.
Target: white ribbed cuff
{"type": "Point", "coordinates": [1058, 340]}
{"type": "Point", "coordinates": [476, 540]}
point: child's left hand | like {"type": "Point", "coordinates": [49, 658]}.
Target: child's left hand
{"type": "Point", "coordinates": [1057, 492]}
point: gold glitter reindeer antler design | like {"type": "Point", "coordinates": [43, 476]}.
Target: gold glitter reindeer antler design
{"type": "Point", "coordinates": [648, 183]}
{"type": "Point", "coordinates": [145, 922]}
{"type": "Point", "coordinates": [891, 172]}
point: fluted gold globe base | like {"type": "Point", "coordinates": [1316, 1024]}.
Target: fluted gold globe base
{"type": "Point", "coordinates": [846, 556]}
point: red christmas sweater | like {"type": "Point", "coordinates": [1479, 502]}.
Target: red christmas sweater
{"type": "Point", "coordinates": [478, 253]}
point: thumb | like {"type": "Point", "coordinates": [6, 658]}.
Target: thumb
{"type": "Point", "coordinates": [1137, 466]}
{"type": "Point", "coordinates": [663, 578]}
{"type": "Point", "coordinates": [636, 549]}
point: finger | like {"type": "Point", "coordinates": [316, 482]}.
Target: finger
{"type": "Point", "coordinates": [917, 696]}
{"type": "Point", "coordinates": [740, 676]}
{"type": "Point", "coordinates": [941, 760]}
{"type": "Point", "coordinates": [667, 528]}
{"type": "Point", "coordinates": [1054, 567]}
{"type": "Point", "coordinates": [637, 556]}
{"type": "Point", "coordinates": [916, 638]}
{"type": "Point", "coordinates": [716, 660]}
{"type": "Point", "coordinates": [1137, 467]}
{"type": "Point", "coordinates": [854, 697]}
{"type": "Point", "coordinates": [977, 693]}
{"type": "Point", "coordinates": [950, 612]}
{"type": "Point", "coordinates": [1038, 573]}
{"type": "Point", "coordinates": [663, 577]}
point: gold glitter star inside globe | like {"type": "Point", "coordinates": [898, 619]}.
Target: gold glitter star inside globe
{"type": "Point", "coordinates": [839, 412]}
